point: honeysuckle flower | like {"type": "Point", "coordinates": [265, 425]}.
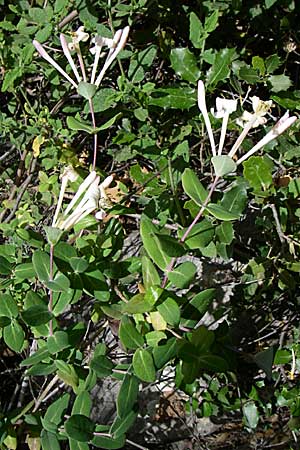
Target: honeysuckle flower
{"type": "Point", "coordinates": [203, 109]}
{"type": "Point", "coordinates": [115, 45]}
{"type": "Point", "coordinates": [260, 108]}
{"type": "Point", "coordinates": [85, 201]}
{"type": "Point", "coordinates": [224, 108]}
{"type": "Point", "coordinates": [282, 125]}
{"type": "Point", "coordinates": [53, 63]}
{"type": "Point", "coordinates": [251, 120]}
{"type": "Point", "coordinates": [78, 36]}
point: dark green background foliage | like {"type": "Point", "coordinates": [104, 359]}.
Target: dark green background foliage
{"type": "Point", "coordinates": [110, 278]}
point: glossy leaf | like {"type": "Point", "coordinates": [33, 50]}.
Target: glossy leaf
{"type": "Point", "coordinates": [150, 275]}
{"type": "Point", "coordinates": [170, 311]}
{"type": "Point", "coordinates": [143, 365]}
{"type": "Point", "coordinates": [221, 67]}
{"type": "Point", "coordinates": [173, 98]}
{"type": "Point", "coordinates": [183, 274]}
{"type": "Point", "coordinates": [127, 395]}
{"type": "Point", "coordinates": [82, 404]}
{"type": "Point", "coordinates": [221, 213]}
{"type": "Point", "coordinates": [36, 315]}
{"type": "Point", "coordinates": [184, 64]}
{"type": "Point", "coordinates": [8, 306]}
{"type": "Point", "coordinates": [80, 428]}
{"type": "Point", "coordinates": [58, 342]}
{"type": "Point", "coordinates": [193, 187]}
{"type": "Point", "coordinates": [129, 335]}
{"type": "Point", "coordinates": [223, 165]}
{"type": "Point", "coordinates": [152, 244]}
{"type": "Point", "coordinates": [122, 424]}
{"type": "Point", "coordinates": [14, 336]}
{"type": "Point", "coordinates": [165, 353]}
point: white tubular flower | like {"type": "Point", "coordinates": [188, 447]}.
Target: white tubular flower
{"type": "Point", "coordinates": [68, 55]}
{"type": "Point", "coordinates": [115, 45]}
{"type": "Point", "coordinates": [260, 109]}
{"type": "Point", "coordinates": [224, 108]}
{"type": "Point", "coordinates": [77, 37]}
{"type": "Point", "coordinates": [51, 61]}
{"type": "Point", "coordinates": [283, 124]}
{"type": "Point", "coordinates": [69, 174]}
{"type": "Point", "coordinates": [203, 109]}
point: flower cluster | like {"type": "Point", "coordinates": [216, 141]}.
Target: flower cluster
{"type": "Point", "coordinates": [86, 200]}
{"type": "Point", "coordinates": [248, 120]}
{"type": "Point", "coordinates": [113, 45]}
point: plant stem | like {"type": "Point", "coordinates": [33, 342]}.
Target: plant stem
{"type": "Point", "coordinates": [95, 135]}
{"type": "Point", "coordinates": [189, 229]}
{"type": "Point", "coordinates": [174, 192]}
{"type": "Point", "coordinates": [50, 304]}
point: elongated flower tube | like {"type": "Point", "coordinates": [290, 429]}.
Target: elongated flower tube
{"type": "Point", "coordinates": [224, 108]}
{"type": "Point", "coordinates": [68, 55]}
{"type": "Point", "coordinates": [85, 201]}
{"type": "Point", "coordinates": [116, 45]}
{"type": "Point", "coordinates": [53, 63]}
{"type": "Point", "coordinates": [282, 125]}
{"type": "Point", "coordinates": [203, 109]}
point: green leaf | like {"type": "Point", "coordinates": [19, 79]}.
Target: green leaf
{"type": "Point", "coordinates": [14, 336]}
{"type": "Point", "coordinates": [78, 264]}
{"type": "Point", "coordinates": [86, 90]}
{"type": "Point", "coordinates": [220, 69]}
{"type": "Point", "coordinates": [213, 362]}
{"type": "Point", "coordinates": [24, 271]}
{"type": "Point", "coordinates": [169, 245]}
{"type": "Point", "coordinates": [280, 82]}
{"type": "Point", "coordinates": [197, 33]}
{"type": "Point", "coordinates": [272, 63]}
{"type": "Point", "coordinates": [82, 404]}
{"type": "Point", "coordinates": [5, 266]}
{"type": "Point", "coordinates": [127, 395]}
{"type": "Point", "coordinates": [225, 232]}
{"type": "Point", "coordinates": [67, 373]}
{"type": "Point", "coordinates": [122, 424]}
{"type": "Point", "coordinates": [251, 414]}
{"type": "Point", "coordinates": [102, 366]}
{"type": "Point", "coordinates": [139, 62]}
{"type": "Point", "coordinates": [41, 264]}
{"type": "Point", "coordinates": [258, 64]}
{"type": "Point", "coordinates": [49, 441]}
{"type": "Point", "coordinates": [258, 172]}
{"type": "Point", "coordinates": [173, 98]}
{"type": "Point", "coordinates": [80, 428]}
{"type": "Point", "coordinates": [55, 413]}
{"type": "Point", "coordinates": [223, 165]}
{"type": "Point", "coordinates": [282, 357]}
{"type": "Point", "coordinates": [36, 315]}
{"type": "Point", "coordinates": [108, 442]}
{"type": "Point", "coordinates": [58, 342]}
{"type": "Point", "coordinates": [8, 306]}
{"type": "Point", "coordinates": [249, 74]}
{"type": "Point", "coordinates": [129, 335]}
{"type": "Point", "coordinates": [170, 311]}
{"type": "Point", "coordinates": [235, 199]}
{"type": "Point", "coordinates": [269, 3]}
{"type": "Point", "coordinates": [184, 64]}
{"type": "Point", "coordinates": [143, 365]}
{"type": "Point", "coordinates": [220, 213]}
{"type": "Point", "coordinates": [264, 360]}
{"type": "Point", "coordinates": [182, 275]}
{"type": "Point", "coordinates": [154, 337]}
{"type": "Point", "coordinates": [138, 304]}
{"type": "Point", "coordinates": [165, 353]}
{"type": "Point", "coordinates": [109, 123]}
{"type": "Point", "coordinates": [152, 244]}
{"type": "Point", "coordinates": [200, 236]}
{"type": "Point", "coordinates": [79, 125]}
{"type": "Point", "coordinates": [211, 21]}
{"type": "Point", "coordinates": [40, 355]}
{"type": "Point", "coordinates": [75, 445]}
{"type": "Point", "coordinates": [193, 187]}
{"type": "Point", "coordinates": [150, 275]}
{"type": "Point", "coordinates": [197, 307]}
